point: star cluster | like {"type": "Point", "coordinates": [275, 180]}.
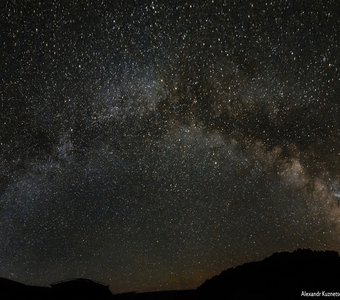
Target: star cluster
{"type": "Point", "coordinates": [151, 144]}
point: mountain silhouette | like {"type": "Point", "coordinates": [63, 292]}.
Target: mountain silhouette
{"type": "Point", "coordinates": [281, 276]}
{"type": "Point", "coordinates": [14, 290]}
{"type": "Point", "coordinates": [81, 289]}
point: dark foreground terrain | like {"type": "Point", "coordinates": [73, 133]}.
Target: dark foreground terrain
{"type": "Point", "coordinates": [281, 276]}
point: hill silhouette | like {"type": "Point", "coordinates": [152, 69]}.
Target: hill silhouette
{"type": "Point", "coordinates": [281, 276]}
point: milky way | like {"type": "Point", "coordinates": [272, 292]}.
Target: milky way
{"type": "Point", "coordinates": [150, 145]}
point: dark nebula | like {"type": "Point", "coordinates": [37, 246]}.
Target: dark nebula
{"type": "Point", "coordinates": [151, 144]}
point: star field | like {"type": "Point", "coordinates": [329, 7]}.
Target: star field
{"type": "Point", "coordinates": [149, 145]}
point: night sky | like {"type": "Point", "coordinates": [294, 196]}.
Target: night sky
{"type": "Point", "coordinates": [149, 145]}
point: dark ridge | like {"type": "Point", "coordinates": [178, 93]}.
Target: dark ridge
{"type": "Point", "coordinates": [162, 295]}
{"type": "Point", "coordinates": [281, 276]}
{"type": "Point", "coordinates": [81, 288]}
{"type": "Point", "coordinates": [14, 290]}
